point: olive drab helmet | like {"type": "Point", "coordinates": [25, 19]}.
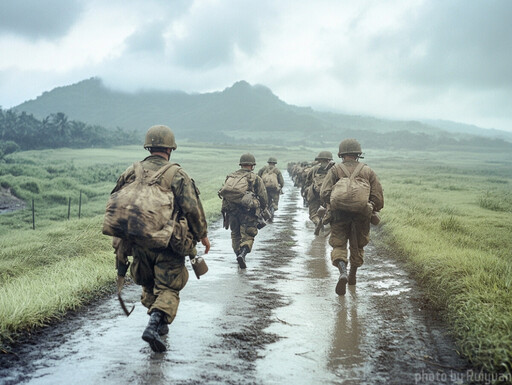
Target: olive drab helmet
{"type": "Point", "coordinates": [272, 160]}
{"type": "Point", "coordinates": [349, 146]}
{"type": "Point", "coordinates": [247, 160]}
{"type": "Point", "coordinates": [324, 155]}
{"type": "Point", "coordinates": [160, 136]}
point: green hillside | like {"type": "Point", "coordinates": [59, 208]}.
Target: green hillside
{"type": "Point", "coordinates": [248, 114]}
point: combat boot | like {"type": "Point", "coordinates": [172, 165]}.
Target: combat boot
{"type": "Point", "coordinates": [241, 257]}
{"type": "Point", "coordinates": [163, 329]}
{"type": "Point", "coordinates": [341, 286]}
{"type": "Point", "coordinates": [151, 335]}
{"type": "Point", "coordinates": [352, 275]}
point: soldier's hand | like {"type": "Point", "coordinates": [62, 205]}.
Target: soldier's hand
{"type": "Point", "coordinates": [206, 243]}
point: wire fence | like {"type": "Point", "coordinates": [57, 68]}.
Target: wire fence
{"type": "Point", "coordinates": [68, 211]}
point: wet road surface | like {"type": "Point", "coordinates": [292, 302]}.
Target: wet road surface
{"type": "Point", "coordinates": [278, 322]}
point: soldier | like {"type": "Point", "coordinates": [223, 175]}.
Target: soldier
{"type": "Point", "coordinates": [348, 226]}
{"type": "Point", "coordinates": [274, 182]}
{"type": "Point", "coordinates": [162, 273]}
{"type": "Point", "coordinates": [313, 184]}
{"type": "Point", "coordinates": [242, 215]}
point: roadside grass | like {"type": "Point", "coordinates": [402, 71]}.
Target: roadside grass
{"type": "Point", "coordinates": [45, 273]}
{"type": "Point", "coordinates": [62, 264]}
{"type": "Point", "coordinates": [453, 227]}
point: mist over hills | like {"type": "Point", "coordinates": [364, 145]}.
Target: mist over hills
{"type": "Point", "coordinates": [248, 113]}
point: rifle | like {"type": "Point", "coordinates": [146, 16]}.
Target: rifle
{"type": "Point", "coordinates": [121, 272]}
{"type": "Point", "coordinates": [122, 250]}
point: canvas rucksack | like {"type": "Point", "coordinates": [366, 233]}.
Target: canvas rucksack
{"type": "Point", "coordinates": [270, 179]}
{"type": "Point", "coordinates": [351, 193]}
{"type": "Point", "coordinates": [238, 190]}
{"type": "Point", "coordinates": [142, 211]}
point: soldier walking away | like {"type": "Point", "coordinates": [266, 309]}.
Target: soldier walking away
{"type": "Point", "coordinates": [314, 179]}
{"type": "Point", "coordinates": [274, 182]}
{"type": "Point", "coordinates": [159, 270]}
{"type": "Point", "coordinates": [353, 192]}
{"type": "Point", "coordinates": [244, 199]}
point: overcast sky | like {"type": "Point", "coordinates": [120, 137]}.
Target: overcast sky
{"type": "Point", "coordinates": [400, 59]}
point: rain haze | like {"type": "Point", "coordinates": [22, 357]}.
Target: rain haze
{"type": "Point", "coordinates": [409, 59]}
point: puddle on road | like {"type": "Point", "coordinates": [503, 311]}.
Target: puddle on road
{"type": "Point", "coordinates": [278, 322]}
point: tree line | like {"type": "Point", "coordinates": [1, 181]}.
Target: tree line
{"type": "Point", "coordinates": [22, 131]}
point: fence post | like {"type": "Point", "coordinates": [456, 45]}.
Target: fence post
{"type": "Point", "coordinates": [69, 207]}
{"type": "Point", "coordinates": [33, 216]}
{"type": "Point", "coordinates": [80, 205]}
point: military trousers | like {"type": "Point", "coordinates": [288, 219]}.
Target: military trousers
{"type": "Point", "coordinates": [162, 275]}
{"type": "Point", "coordinates": [351, 229]}
{"type": "Point", "coordinates": [243, 229]}
{"type": "Point", "coordinates": [273, 198]}
{"type": "Point", "coordinates": [313, 206]}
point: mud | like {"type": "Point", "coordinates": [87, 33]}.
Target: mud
{"type": "Point", "coordinates": [278, 322]}
{"type": "Point", "coordinates": [8, 202]}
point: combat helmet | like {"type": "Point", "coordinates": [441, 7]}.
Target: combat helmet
{"type": "Point", "coordinates": [350, 146]}
{"type": "Point", "coordinates": [247, 160]}
{"type": "Point", "coordinates": [272, 160]}
{"type": "Point", "coordinates": [160, 136]}
{"type": "Point", "coordinates": [324, 155]}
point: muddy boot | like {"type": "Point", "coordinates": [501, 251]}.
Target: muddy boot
{"type": "Point", "coordinates": [241, 257]}
{"type": "Point", "coordinates": [341, 286]}
{"type": "Point", "coordinates": [150, 335]}
{"type": "Point", "coordinates": [163, 329]}
{"type": "Point", "coordinates": [352, 275]}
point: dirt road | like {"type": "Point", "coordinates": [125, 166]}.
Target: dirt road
{"type": "Point", "coordinates": [278, 322]}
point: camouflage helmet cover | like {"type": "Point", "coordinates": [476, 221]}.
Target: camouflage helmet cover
{"type": "Point", "coordinates": [272, 160]}
{"type": "Point", "coordinates": [160, 136]}
{"type": "Point", "coordinates": [350, 146]}
{"type": "Point", "coordinates": [327, 155]}
{"type": "Point", "coordinates": [247, 159]}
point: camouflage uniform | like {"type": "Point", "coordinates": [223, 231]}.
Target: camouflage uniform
{"type": "Point", "coordinates": [162, 274]}
{"type": "Point", "coordinates": [342, 223]}
{"type": "Point", "coordinates": [242, 222]}
{"type": "Point", "coordinates": [314, 179]}
{"type": "Point", "coordinates": [272, 193]}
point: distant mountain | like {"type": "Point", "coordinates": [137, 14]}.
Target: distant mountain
{"type": "Point", "coordinates": [470, 129]}
{"type": "Point", "coordinates": [242, 112]}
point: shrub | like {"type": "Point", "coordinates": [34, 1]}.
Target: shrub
{"type": "Point", "coordinates": [31, 186]}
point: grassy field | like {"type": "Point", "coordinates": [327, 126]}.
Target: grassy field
{"type": "Point", "coordinates": [447, 215]}
{"type": "Point", "coordinates": [64, 263]}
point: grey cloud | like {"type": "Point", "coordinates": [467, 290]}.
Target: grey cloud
{"type": "Point", "coordinates": [464, 43]}
{"type": "Point", "coordinates": [38, 19]}
{"type": "Point", "coordinates": [213, 34]}
{"type": "Point", "coordinates": [149, 39]}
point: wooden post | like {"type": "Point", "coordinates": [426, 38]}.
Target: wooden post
{"type": "Point", "coordinates": [69, 207]}
{"type": "Point", "coordinates": [33, 216]}
{"type": "Point", "coordinates": [80, 205]}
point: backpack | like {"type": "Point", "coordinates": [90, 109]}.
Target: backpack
{"type": "Point", "coordinates": [318, 179]}
{"type": "Point", "coordinates": [142, 211]}
{"type": "Point", "coordinates": [237, 190]}
{"type": "Point", "coordinates": [351, 193]}
{"type": "Point", "coordinates": [270, 179]}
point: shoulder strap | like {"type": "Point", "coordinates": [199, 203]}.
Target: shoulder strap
{"type": "Point", "coordinates": [356, 171]}
{"type": "Point", "coordinates": [162, 170]}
